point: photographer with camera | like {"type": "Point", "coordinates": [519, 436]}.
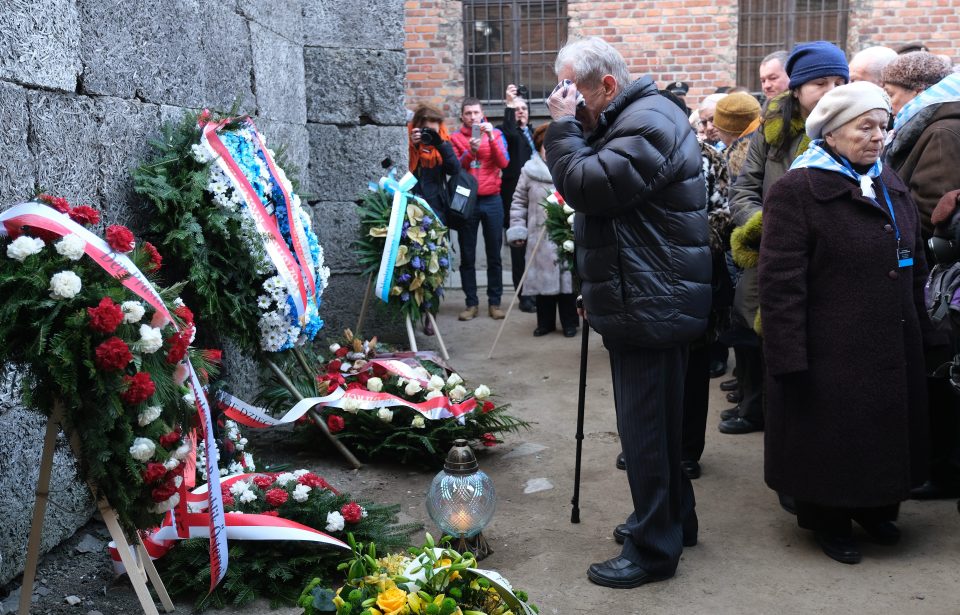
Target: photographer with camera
{"type": "Point", "coordinates": [431, 157]}
{"type": "Point", "coordinates": [517, 131]}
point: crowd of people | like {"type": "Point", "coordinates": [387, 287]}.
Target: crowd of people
{"type": "Point", "coordinates": [796, 227]}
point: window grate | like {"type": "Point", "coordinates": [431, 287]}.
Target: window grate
{"type": "Point", "coordinates": [766, 26]}
{"type": "Point", "coordinates": [512, 41]}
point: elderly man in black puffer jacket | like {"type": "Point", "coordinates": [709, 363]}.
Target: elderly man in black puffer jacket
{"type": "Point", "coordinates": [627, 161]}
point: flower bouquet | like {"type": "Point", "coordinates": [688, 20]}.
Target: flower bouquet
{"type": "Point", "coordinates": [229, 218]}
{"type": "Point", "coordinates": [96, 338]}
{"type": "Point", "coordinates": [235, 457]}
{"type": "Point", "coordinates": [434, 581]}
{"type": "Point", "coordinates": [560, 229]}
{"type": "Point", "coordinates": [406, 407]}
{"type": "Point", "coordinates": [271, 567]}
{"type": "Point", "coordinates": [413, 283]}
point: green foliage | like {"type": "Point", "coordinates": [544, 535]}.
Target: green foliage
{"type": "Point", "coordinates": [560, 231]}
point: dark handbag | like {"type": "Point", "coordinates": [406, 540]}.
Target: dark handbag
{"type": "Point", "coordinates": [463, 199]}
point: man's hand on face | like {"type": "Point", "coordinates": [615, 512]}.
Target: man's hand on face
{"type": "Point", "coordinates": [563, 101]}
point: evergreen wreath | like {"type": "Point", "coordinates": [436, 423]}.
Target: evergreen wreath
{"type": "Point", "coordinates": [90, 344]}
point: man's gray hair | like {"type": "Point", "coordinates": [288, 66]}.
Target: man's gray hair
{"type": "Point", "coordinates": [779, 56]}
{"type": "Point", "coordinates": [591, 58]}
{"type": "Point", "coordinates": [874, 59]}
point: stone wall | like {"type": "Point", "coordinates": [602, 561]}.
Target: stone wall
{"type": "Point", "coordinates": [85, 83]}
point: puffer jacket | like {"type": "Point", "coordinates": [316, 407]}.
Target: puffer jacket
{"type": "Point", "coordinates": [492, 156]}
{"type": "Point", "coordinates": [641, 224]}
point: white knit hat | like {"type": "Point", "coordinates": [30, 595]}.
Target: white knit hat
{"type": "Point", "coordinates": [844, 103]}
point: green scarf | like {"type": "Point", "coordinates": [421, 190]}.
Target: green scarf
{"type": "Point", "coordinates": [773, 123]}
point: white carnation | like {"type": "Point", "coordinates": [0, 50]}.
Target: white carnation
{"type": "Point", "coordinates": [433, 394]}
{"type": "Point", "coordinates": [182, 451]}
{"type": "Point", "coordinates": [568, 245]}
{"type": "Point", "coordinates": [132, 311]}
{"type": "Point", "coordinates": [199, 153]}
{"type": "Point", "coordinates": [143, 449]}
{"type": "Point", "coordinates": [64, 285]}
{"type": "Point", "coordinates": [149, 415]}
{"type": "Point", "coordinates": [413, 387]}
{"type": "Point", "coordinates": [418, 422]}
{"type": "Point", "coordinates": [351, 404]}
{"type": "Point", "coordinates": [482, 392]}
{"type": "Point", "coordinates": [239, 487]}
{"type": "Point", "coordinates": [23, 246]}
{"type": "Point", "coordinates": [166, 505]}
{"type": "Point", "coordinates": [71, 247]}
{"type": "Point", "coordinates": [454, 380]}
{"type": "Point", "coordinates": [375, 384]}
{"type": "Point", "coordinates": [334, 521]}
{"type": "Point", "coordinates": [171, 463]}
{"type": "Point", "coordinates": [385, 415]}
{"type": "Point", "coordinates": [570, 219]}
{"type": "Point", "coordinates": [190, 399]}
{"type": "Point", "coordinates": [436, 383]}
{"type": "Point", "coordinates": [235, 468]}
{"type": "Point", "coordinates": [247, 496]}
{"type": "Point", "coordinates": [248, 462]}
{"type": "Point", "coordinates": [301, 493]}
{"type": "Point", "coordinates": [286, 478]}
{"type": "Point", "coordinates": [567, 209]}
{"type": "Point", "coordinates": [151, 339]}
{"type": "Point", "coordinates": [334, 347]}
{"type": "Point", "coordinates": [457, 393]}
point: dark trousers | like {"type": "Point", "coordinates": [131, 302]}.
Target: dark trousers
{"type": "Point", "coordinates": [836, 521]}
{"type": "Point", "coordinates": [518, 261]}
{"type": "Point", "coordinates": [648, 393]}
{"type": "Point", "coordinates": [696, 399]}
{"type": "Point", "coordinates": [489, 213]}
{"type": "Point", "coordinates": [944, 433]}
{"type": "Point", "coordinates": [549, 305]}
{"type": "Point", "coordinates": [750, 376]}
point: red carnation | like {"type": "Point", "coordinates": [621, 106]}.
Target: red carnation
{"type": "Point", "coordinates": [84, 214]}
{"type": "Point", "coordinates": [379, 371]}
{"type": "Point", "coordinates": [57, 202]}
{"type": "Point", "coordinates": [341, 352]}
{"type": "Point", "coordinates": [163, 492]}
{"type": "Point", "coordinates": [113, 355]}
{"type": "Point", "coordinates": [139, 388]}
{"type": "Point", "coordinates": [353, 386]}
{"type": "Point", "coordinates": [185, 314]}
{"type": "Point", "coordinates": [153, 472]}
{"type": "Point", "coordinates": [333, 367]}
{"type": "Point", "coordinates": [120, 238]}
{"type": "Point", "coordinates": [228, 499]}
{"type": "Point", "coordinates": [263, 481]}
{"type": "Point", "coordinates": [352, 513]}
{"type": "Point", "coordinates": [178, 346]}
{"type": "Point", "coordinates": [106, 317]}
{"type": "Point", "coordinates": [335, 423]}
{"type": "Point", "coordinates": [169, 439]}
{"type": "Point", "coordinates": [487, 407]}
{"type": "Point", "coordinates": [488, 439]}
{"type": "Point", "coordinates": [270, 513]}
{"type": "Point", "coordinates": [276, 497]}
{"type": "Point", "coordinates": [363, 377]}
{"type": "Point", "coordinates": [213, 355]}
{"type": "Point", "coordinates": [155, 259]}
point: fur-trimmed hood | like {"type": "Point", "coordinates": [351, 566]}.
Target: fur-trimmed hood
{"type": "Point", "coordinates": [537, 169]}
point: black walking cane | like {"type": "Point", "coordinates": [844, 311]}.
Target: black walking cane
{"type": "Point", "coordinates": [575, 513]}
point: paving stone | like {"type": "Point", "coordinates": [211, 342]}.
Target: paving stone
{"type": "Point", "coordinates": [16, 172]}
{"type": "Point", "coordinates": [375, 24]}
{"type": "Point", "coordinates": [344, 159]}
{"type": "Point", "coordinates": [354, 86]}
{"type": "Point", "coordinates": [537, 484]}
{"type": "Point", "coordinates": [40, 43]}
{"type": "Point", "coordinates": [278, 76]}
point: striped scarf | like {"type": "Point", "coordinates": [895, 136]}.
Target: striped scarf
{"type": "Point", "coordinates": [816, 157]}
{"type": "Point", "coordinates": [947, 90]}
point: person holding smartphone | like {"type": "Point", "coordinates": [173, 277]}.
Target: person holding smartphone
{"type": "Point", "coordinates": [481, 150]}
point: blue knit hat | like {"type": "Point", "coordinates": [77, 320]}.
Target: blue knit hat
{"type": "Point", "coordinates": [810, 61]}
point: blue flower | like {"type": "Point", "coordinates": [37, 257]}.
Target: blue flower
{"type": "Point", "coordinates": [406, 277]}
{"type": "Point", "coordinates": [427, 221]}
{"type": "Point", "coordinates": [404, 296]}
{"type": "Point", "coordinates": [443, 261]}
{"type": "Point", "coordinates": [431, 246]}
{"type": "Point", "coordinates": [416, 263]}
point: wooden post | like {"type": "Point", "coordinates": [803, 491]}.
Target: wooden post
{"type": "Point", "coordinates": [363, 306]}
{"type": "Point", "coordinates": [410, 335]}
{"type": "Point", "coordinates": [39, 509]}
{"type": "Point", "coordinates": [436, 331]}
{"type": "Point", "coordinates": [516, 292]}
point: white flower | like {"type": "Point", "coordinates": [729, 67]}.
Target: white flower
{"type": "Point", "coordinates": [190, 399]}
{"type": "Point", "coordinates": [263, 302]}
{"type": "Point", "coordinates": [150, 339]}
{"type": "Point", "coordinates": [199, 153]}
{"type": "Point", "coordinates": [284, 479]}
{"type": "Point", "coordinates": [242, 444]}
{"type": "Point", "coordinates": [235, 468]}
{"type": "Point", "coordinates": [23, 246]}
{"type": "Point", "coordinates": [182, 451]}
{"type": "Point", "coordinates": [570, 219]}
{"type": "Point", "coordinates": [247, 496]}
{"type": "Point", "coordinates": [177, 481]}
{"type": "Point", "coordinates": [178, 302]}
{"type": "Point", "coordinates": [482, 392]}
{"type": "Point", "coordinates": [418, 422]}
{"type": "Point", "coordinates": [363, 512]}
{"type": "Point", "coordinates": [248, 462]}
{"type": "Point", "coordinates": [301, 472]}
{"type": "Point", "coordinates": [567, 209]}
{"type": "Point", "coordinates": [454, 380]}
{"type": "Point", "coordinates": [457, 393]}
{"type": "Point", "coordinates": [132, 311]}
{"type": "Point", "coordinates": [334, 347]}
{"type": "Point", "coordinates": [142, 449]}
{"type": "Point", "coordinates": [436, 383]}
{"type": "Point", "coordinates": [413, 387]}
{"type": "Point", "coordinates": [239, 487]}
{"type": "Point", "coordinates": [375, 384]}
{"type": "Point", "coordinates": [166, 505]}
{"type": "Point", "coordinates": [385, 415]}
{"type": "Point", "coordinates": [172, 463]}
{"type": "Point", "coordinates": [64, 285]}
{"type": "Point", "coordinates": [71, 246]}
{"type": "Point", "coordinates": [351, 404]}
{"type": "Point", "coordinates": [433, 394]}
{"type": "Point", "coordinates": [301, 492]}
{"type": "Point", "coordinates": [334, 521]}
{"type": "Point", "coordinates": [568, 245]}
{"type": "Point", "coordinates": [149, 415]}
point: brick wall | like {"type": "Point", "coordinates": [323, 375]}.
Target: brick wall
{"type": "Point", "coordinates": [894, 22]}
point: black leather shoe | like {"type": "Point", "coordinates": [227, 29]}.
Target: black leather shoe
{"type": "Point", "coordinates": [734, 397]}
{"type": "Point", "coordinates": [541, 331]}
{"type": "Point", "coordinates": [739, 425]}
{"type": "Point", "coordinates": [730, 385]}
{"type": "Point", "coordinates": [934, 491]}
{"type": "Point", "coordinates": [620, 573]}
{"type": "Point", "coordinates": [620, 534]}
{"type": "Point", "coordinates": [718, 368]}
{"type": "Point", "coordinates": [621, 462]}
{"type": "Point", "coordinates": [528, 304]}
{"type": "Point", "coordinates": [840, 548]}
{"type": "Point", "coordinates": [787, 503]}
{"type": "Point", "coordinates": [730, 413]}
{"type": "Point", "coordinates": [881, 532]}
{"type": "Point", "coordinates": [569, 331]}
{"type": "Point", "coordinates": [691, 469]}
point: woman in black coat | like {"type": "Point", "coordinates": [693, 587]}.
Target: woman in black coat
{"type": "Point", "coordinates": [431, 157]}
{"type": "Point", "coordinates": [844, 327]}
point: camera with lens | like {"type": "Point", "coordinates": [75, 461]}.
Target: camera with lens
{"type": "Point", "coordinates": [429, 137]}
{"type": "Point", "coordinates": [523, 92]}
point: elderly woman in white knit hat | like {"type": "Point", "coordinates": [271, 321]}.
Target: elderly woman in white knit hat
{"type": "Point", "coordinates": [841, 278]}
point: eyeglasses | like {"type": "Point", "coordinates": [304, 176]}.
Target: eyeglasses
{"type": "Point", "coordinates": [705, 122]}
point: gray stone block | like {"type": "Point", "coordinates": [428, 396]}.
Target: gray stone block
{"type": "Point", "coordinates": [282, 18]}
{"type": "Point", "coordinates": [241, 372]}
{"type": "Point", "coordinates": [354, 86]}
{"type": "Point", "coordinates": [337, 225]}
{"type": "Point", "coordinates": [225, 40]}
{"type": "Point", "coordinates": [108, 47]}
{"type": "Point", "coordinates": [341, 308]}
{"type": "Point", "coordinates": [40, 43]}
{"type": "Point", "coordinates": [377, 24]}
{"type": "Point", "coordinates": [278, 76]}
{"type": "Point", "coordinates": [16, 172]}
{"type": "Point", "coordinates": [292, 143]}
{"type": "Point", "coordinates": [344, 159]}
{"type": "Point", "coordinates": [63, 139]}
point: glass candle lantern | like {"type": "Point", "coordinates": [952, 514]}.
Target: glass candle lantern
{"type": "Point", "coordinates": [462, 500]}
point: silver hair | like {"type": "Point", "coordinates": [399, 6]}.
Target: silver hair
{"type": "Point", "coordinates": [591, 58]}
{"type": "Point", "coordinates": [779, 56]}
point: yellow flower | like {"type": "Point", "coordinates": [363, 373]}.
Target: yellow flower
{"type": "Point", "coordinates": [434, 265]}
{"type": "Point", "coordinates": [402, 256]}
{"type": "Point", "coordinates": [416, 234]}
{"type": "Point", "coordinates": [380, 231]}
{"type": "Point", "coordinates": [392, 600]}
{"type": "Point", "coordinates": [414, 215]}
{"type": "Point", "coordinates": [448, 562]}
{"type": "Point", "coordinates": [337, 600]}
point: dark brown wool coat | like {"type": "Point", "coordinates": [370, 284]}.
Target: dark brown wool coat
{"type": "Point", "coordinates": [843, 342]}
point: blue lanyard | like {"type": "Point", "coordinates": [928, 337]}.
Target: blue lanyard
{"type": "Point", "coordinates": [904, 257]}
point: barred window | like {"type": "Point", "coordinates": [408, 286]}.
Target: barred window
{"type": "Point", "coordinates": [766, 26]}
{"type": "Point", "coordinates": [512, 41]}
